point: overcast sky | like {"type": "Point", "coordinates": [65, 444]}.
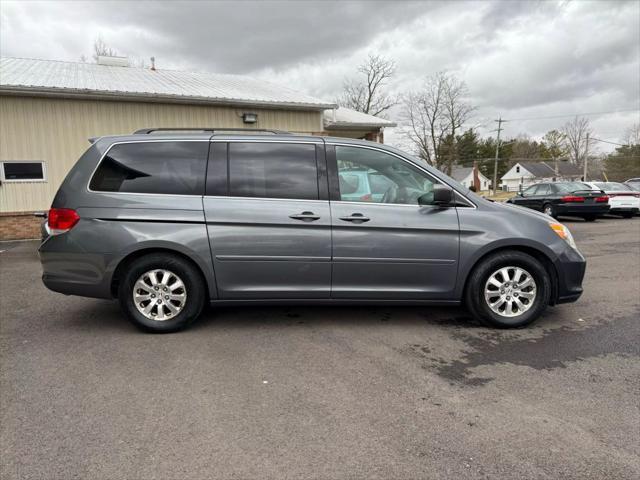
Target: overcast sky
{"type": "Point", "coordinates": [519, 59]}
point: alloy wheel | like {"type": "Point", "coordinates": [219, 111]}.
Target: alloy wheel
{"type": "Point", "coordinates": [159, 294]}
{"type": "Point", "coordinates": [510, 291]}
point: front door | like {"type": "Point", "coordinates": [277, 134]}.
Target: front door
{"type": "Point", "coordinates": [388, 246]}
{"type": "Point", "coordinates": [527, 199]}
{"type": "Point", "coordinates": [541, 195]}
{"type": "Point", "coordinates": [268, 220]}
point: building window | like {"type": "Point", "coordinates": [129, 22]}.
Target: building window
{"type": "Point", "coordinates": [518, 169]}
{"type": "Point", "coordinates": [22, 172]}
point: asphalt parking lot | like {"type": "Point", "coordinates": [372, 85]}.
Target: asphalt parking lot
{"type": "Point", "coordinates": [325, 392]}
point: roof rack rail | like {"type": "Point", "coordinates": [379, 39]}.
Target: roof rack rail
{"type": "Point", "coordinates": [146, 131]}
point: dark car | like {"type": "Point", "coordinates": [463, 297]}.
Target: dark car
{"type": "Point", "coordinates": [573, 199]}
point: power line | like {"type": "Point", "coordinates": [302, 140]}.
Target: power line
{"type": "Point", "coordinates": [576, 115]}
{"type": "Point", "coordinates": [607, 141]}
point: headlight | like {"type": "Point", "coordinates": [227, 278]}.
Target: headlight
{"type": "Point", "coordinates": [564, 233]}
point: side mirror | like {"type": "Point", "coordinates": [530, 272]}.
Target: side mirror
{"type": "Point", "coordinates": [441, 195]}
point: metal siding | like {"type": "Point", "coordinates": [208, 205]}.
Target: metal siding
{"type": "Point", "coordinates": [56, 131]}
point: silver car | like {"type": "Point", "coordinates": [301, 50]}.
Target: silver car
{"type": "Point", "coordinates": [167, 221]}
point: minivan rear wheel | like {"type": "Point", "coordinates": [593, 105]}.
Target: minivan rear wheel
{"type": "Point", "coordinates": [161, 293]}
{"type": "Point", "coordinates": [508, 289]}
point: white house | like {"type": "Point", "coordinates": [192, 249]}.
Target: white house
{"type": "Point", "coordinates": [523, 174]}
{"type": "Point", "coordinates": [464, 175]}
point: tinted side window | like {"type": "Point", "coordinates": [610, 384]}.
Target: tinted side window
{"type": "Point", "coordinates": [543, 189]}
{"type": "Point", "coordinates": [173, 168]}
{"type": "Point", "coordinates": [273, 170]}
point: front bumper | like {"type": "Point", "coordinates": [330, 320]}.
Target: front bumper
{"type": "Point", "coordinates": [571, 267]}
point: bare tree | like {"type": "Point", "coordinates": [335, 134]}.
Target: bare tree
{"type": "Point", "coordinates": [100, 48]}
{"type": "Point", "coordinates": [423, 112]}
{"type": "Point", "coordinates": [632, 135]}
{"type": "Point", "coordinates": [576, 132]}
{"type": "Point", "coordinates": [434, 115]}
{"type": "Point", "coordinates": [457, 111]}
{"type": "Point", "coordinates": [369, 95]}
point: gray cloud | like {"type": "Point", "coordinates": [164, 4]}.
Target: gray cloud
{"type": "Point", "coordinates": [519, 58]}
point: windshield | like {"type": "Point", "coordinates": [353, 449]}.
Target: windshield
{"type": "Point", "coordinates": [572, 187]}
{"type": "Point", "coordinates": [612, 186]}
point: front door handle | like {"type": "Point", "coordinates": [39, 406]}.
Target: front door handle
{"type": "Point", "coordinates": [355, 218]}
{"type": "Point", "coordinates": [305, 217]}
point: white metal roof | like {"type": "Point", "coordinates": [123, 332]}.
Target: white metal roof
{"type": "Point", "coordinates": [461, 173]}
{"type": "Point", "coordinates": [50, 77]}
{"type": "Point", "coordinates": [347, 118]}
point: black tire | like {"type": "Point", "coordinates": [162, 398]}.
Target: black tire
{"type": "Point", "coordinates": [194, 288]}
{"type": "Point", "coordinates": [551, 208]}
{"type": "Point", "coordinates": [474, 293]}
{"type": "Point", "coordinates": [627, 215]}
{"type": "Point", "coordinates": [589, 218]}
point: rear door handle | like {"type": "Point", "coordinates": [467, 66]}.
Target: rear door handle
{"type": "Point", "coordinates": [355, 218]}
{"type": "Point", "coordinates": [305, 217]}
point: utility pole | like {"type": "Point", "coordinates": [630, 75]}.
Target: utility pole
{"type": "Point", "coordinates": [495, 165]}
{"type": "Point", "coordinates": [586, 159]}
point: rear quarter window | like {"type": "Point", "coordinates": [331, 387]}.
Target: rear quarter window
{"type": "Point", "coordinates": [170, 168]}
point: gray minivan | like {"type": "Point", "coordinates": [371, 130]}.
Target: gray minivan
{"type": "Point", "coordinates": [167, 221]}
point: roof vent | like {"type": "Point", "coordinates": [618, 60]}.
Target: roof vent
{"type": "Point", "coordinates": [113, 61]}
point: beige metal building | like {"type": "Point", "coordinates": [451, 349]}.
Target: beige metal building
{"type": "Point", "coordinates": [48, 110]}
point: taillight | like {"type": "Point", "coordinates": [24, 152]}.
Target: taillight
{"type": "Point", "coordinates": [366, 197]}
{"type": "Point", "coordinates": [602, 199]}
{"type": "Point", "coordinates": [61, 220]}
{"type": "Point", "coordinates": [572, 199]}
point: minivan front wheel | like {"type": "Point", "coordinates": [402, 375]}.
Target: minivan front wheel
{"type": "Point", "coordinates": [508, 289]}
{"type": "Point", "coordinates": [161, 293]}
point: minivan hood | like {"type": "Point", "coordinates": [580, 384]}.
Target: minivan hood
{"type": "Point", "coordinates": [524, 211]}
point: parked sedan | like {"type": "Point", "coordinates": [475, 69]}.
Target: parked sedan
{"type": "Point", "coordinates": [574, 199]}
{"type": "Point", "coordinates": [633, 183]}
{"type": "Point", "coordinates": [623, 200]}
{"type": "Point", "coordinates": [363, 185]}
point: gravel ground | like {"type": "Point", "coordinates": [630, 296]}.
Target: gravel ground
{"type": "Point", "coordinates": [325, 392]}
